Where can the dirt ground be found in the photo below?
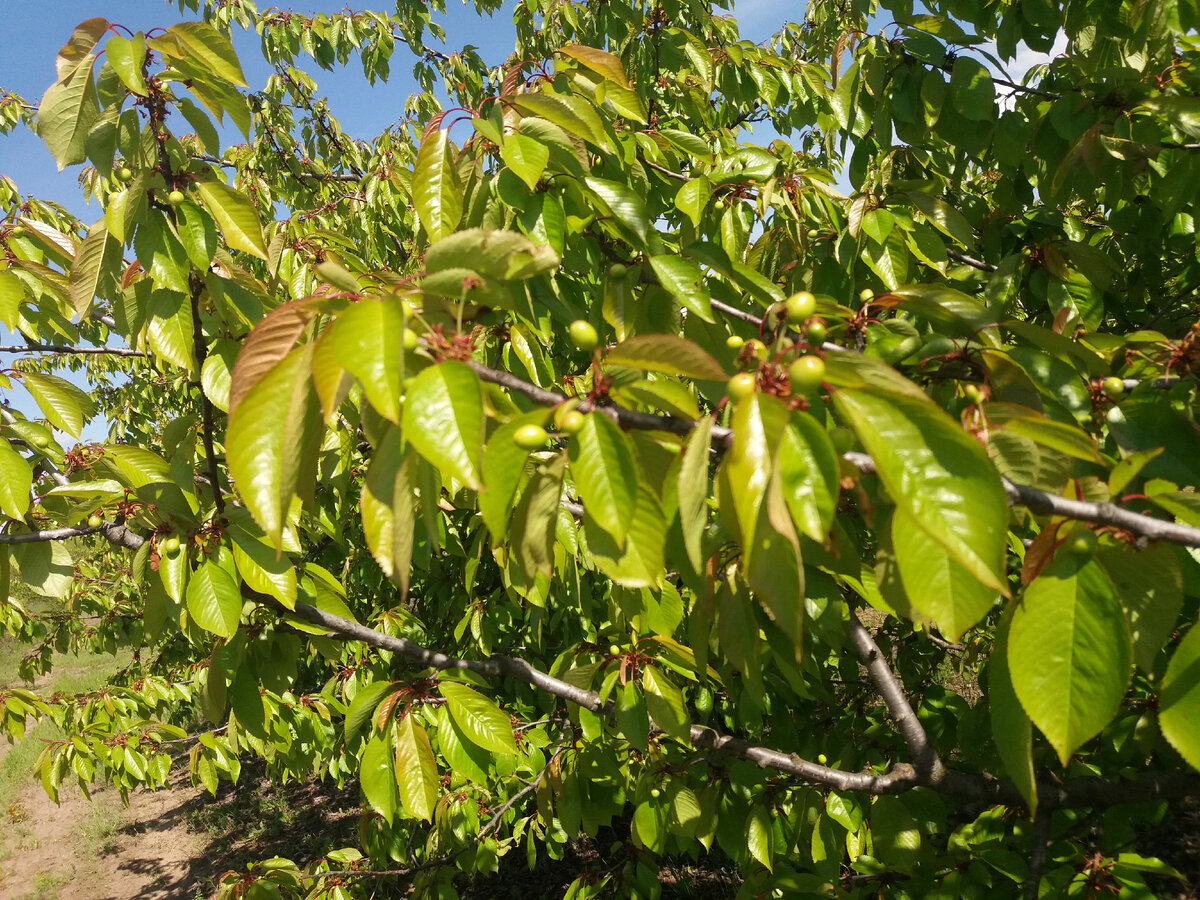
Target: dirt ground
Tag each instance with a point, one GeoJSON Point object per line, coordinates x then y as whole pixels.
{"type": "Point", "coordinates": [99, 850]}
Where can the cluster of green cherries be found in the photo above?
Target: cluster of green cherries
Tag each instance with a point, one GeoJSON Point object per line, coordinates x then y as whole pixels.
{"type": "Point", "coordinates": [806, 372]}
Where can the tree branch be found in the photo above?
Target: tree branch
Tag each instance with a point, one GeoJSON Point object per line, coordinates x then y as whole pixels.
{"type": "Point", "coordinates": [50, 348]}
{"type": "Point", "coordinates": [970, 260]}
{"type": "Point", "coordinates": [206, 407]}
{"type": "Point", "coordinates": [929, 765]}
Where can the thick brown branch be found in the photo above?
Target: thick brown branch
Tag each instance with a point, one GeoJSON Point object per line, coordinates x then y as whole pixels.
{"type": "Point", "coordinates": [970, 260]}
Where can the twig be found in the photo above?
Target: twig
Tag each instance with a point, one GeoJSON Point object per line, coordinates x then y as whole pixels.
{"type": "Point", "coordinates": [200, 350]}
{"type": "Point", "coordinates": [50, 348]}
{"type": "Point", "coordinates": [1037, 856]}
{"type": "Point", "coordinates": [970, 260]}
{"type": "Point", "coordinates": [663, 170]}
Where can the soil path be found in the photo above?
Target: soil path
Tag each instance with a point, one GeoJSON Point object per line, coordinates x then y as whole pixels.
{"type": "Point", "coordinates": [143, 852]}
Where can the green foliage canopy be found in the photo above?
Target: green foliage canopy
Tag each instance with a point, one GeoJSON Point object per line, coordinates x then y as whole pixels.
{"type": "Point", "coordinates": [368, 511]}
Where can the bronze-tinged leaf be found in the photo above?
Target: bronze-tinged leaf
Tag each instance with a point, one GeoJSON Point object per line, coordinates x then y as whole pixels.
{"type": "Point", "coordinates": [270, 341]}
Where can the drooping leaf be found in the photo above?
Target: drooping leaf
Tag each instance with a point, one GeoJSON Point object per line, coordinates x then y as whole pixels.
{"type": "Point", "coordinates": [693, 490]}
{"type": "Point", "coordinates": [67, 113]}
{"type": "Point", "coordinates": [127, 56]}
{"type": "Point", "coordinates": [89, 263]}
{"type": "Point", "coordinates": [1011, 728]}
{"type": "Point", "coordinates": [664, 701]}
{"type": "Point", "coordinates": [213, 599]}
{"type": "Point", "coordinates": [437, 193]}
{"type": "Point", "coordinates": [1069, 653]}
{"type": "Point", "coordinates": [1149, 585]}
{"type": "Point", "coordinates": [236, 215]}
{"type": "Point", "coordinates": [16, 479]}
{"type": "Point", "coordinates": [443, 418]}
{"type": "Point", "coordinates": [388, 514]}
{"type": "Point", "coordinates": [65, 405]}
{"type": "Point", "coordinates": [367, 342]}
{"type": "Point", "coordinates": [269, 342]}
{"type": "Point", "coordinates": [526, 157]}
{"type": "Point", "coordinates": [416, 768]}
{"type": "Point", "coordinates": [1179, 698]}
{"type": "Point", "coordinates": [604, 472]}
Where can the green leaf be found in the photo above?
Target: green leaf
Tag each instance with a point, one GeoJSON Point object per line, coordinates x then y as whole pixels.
{"type": "Point", "coordinates": [1179, 698]}
{"type": "Point", "coordinates": [367, 341]}
{"type": "Point", "coordinates": [377, 775]}
{"type": "Point", "coordinates": [67, 113]}
{"type": "Point", "coordinates": [213, 599]}
{"type": "Point", "coordinates": [683, 279]}
{"type": "Point", "coordinates": [262, 568]}
{"type": "Point", "coordinates": [760, 835]}
{"type": "Point", "coordinates": [170, 330]}
{"type": "Point", "coordinates": [203, 44]}
{"type": "Point", "coordinates": [693, 488]}
{"type": "Point", "coordinates": [666, 353]}
{"type": "Point", "coordinates": [936, 585]}
{"type": "Point", "coordinates": [127, 56]}
{"type": "Point", "coordinates": [437, 193]}
{"type": "Point", "coordinates": [574, 115]}
{"type": "Point", "coordinates": [46, 567]}
{"type": "Point", "coordinates": [388, 508]}
{"type": "Point", "coordinates": [623, 205]}
{"type": "Point", "coordinates": [972, 91]}
{"type": "Point", "coordinates": [75, 51]}
{"type": "Point", "coordinates": [1150, 587]}
{"type": "Point", "coordinates": [808, 474]}
{"type": "Point", "coordinates": [633, 722]}
{"type": "Point", "coordinates": [693, 197]}
{"type": "Point", "coordinates": [503, 462]}
{"type": "Point", "coordinates": [272, 439]}
{"type": "Point", "coordinates": [605, 475]}
{"type": "Point", "coordinates": [1011, 728]}
{"type": "Point", "coordinates": [526, 157]}
{"type": "Point", "coordinates": [640, 563]}
{"type": "Point", "coordinates": [62, 403]}
{"type": "Point", "coordinates": [664, 702]}
{"type": "Point", "coordinates": [197, 233]}
{"type": "Point", "coordinates": [87, 267]}
{"type": "Point", "coordinates": [599, 61]}
{"type": "Point", "coordinates": [443, 418]}
{"type": "Point", "coordinates": [940, 475]}
{"type": "Point", "coordinates": [416, 769]}
{"type": "Point", "coordinates": [533, 526]}
{"type": "Point", "coordinates": [459, 752]}
{"type": "Point", "coordinates": [362, 707]}
{"type": "Point", "coordinates": [16, 480]}
{"type": "Point", "coordinates": [481, 720]}
{"type": "Point", "coordinates": [944, 217]}
{"type": "Point", "coordinates": [236, 215]}
{"type": "Point", "coordinates": [1069, 652]}
{"type": "Point", "coordinates": [758, 423]}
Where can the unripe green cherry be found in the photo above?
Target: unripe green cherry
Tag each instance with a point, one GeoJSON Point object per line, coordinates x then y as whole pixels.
{"type": "Point", "coordinates": [530, 437]}
{"type": "Point", "coordinates": [617, 270]}
{"type": "Point", "coordinates": [740, 386]}
{"type": "Point", "coordinates": [719, 205]}
{"type": "Point", "coordinates": [94, 521]}
{"type": "Point", "coordinates": [175, 198]}
{"type": "Point", "coordinates": [584, 335]}
{"type": "Point", "coordinates": [571, 422]}
{"type": "Point", "coordinates": [757, 347]}
{"type": "Point", "coordinates": [17, 230]}
{"type": "Point", "coordinates": [1081, 541]}
{"type": "Point", "coordinates": [1114, 386]}
{"type": "Point", "coordinates": [410, 339]}
{"type": "Point", "coordinates": [614, 650]}
{"type": "Point", "coordinates": [842, 439]}
{"type": "Point", "coordinates": [734, 342]}
{"type": "Point", "coordinates": [971, 392]}
{"type": "Point", "coordinates": [822, 759]}
{"type": "Point", "coordinates": [806, 374]}
{"type": "Point", "coordinates": [800, 307]}
{"type": "Point", "coordinates": [171, 546]}
{"type": "Point", "coordinates": [866, 295]}
{"type": "Point", "coordinates": [124, 173]}
{"type": "Point", "coordinates": [655, 793]}
{"type": "Point", "coordinates": [816, 332]}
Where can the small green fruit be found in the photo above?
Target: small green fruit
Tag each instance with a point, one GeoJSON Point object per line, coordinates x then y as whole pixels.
{"type": "Point", "coordinates": [740, 386]}
{"type": "Point", "coordinates": [734, 342]}
{"type": "Point", "coordinates": [816, 333]}
{"type": "Point", "coordinates": [175, 198]}
{"type": "Point", "coordinates": [866, 295]}
{"type": "Point", "coordinates": [806, 374]}
{"type": "Point", "coordinates": [1081, 541]}
{"type": "Point", "coordinates": [614, 650]}
{"type": "Point", "coordinates": [822, 759]}
{"type": "Point", "coordinates": [571, 422]}
{"type": "Point", "coordinates": [757, 347]}
{"type": "Point", "coordinates": [94, 521]}
{"type": "Point", "coordinates": [410, 339]}
{"type": "Point", "coordinates": [41, 440]}
{"type": "Point", "coordinates": [171, 546]}
{"type": "Point", "coordinates": [971, 392]}
{"type": "Point", "coordinates": [530, 437]}
{"type": "Point", "coordinates": [800, 307]}
{"type": "Point", "coordinates": [584, 335]}
{"type": "Point", "coordinates": [617, 270]}
{"type": "Point", "coordinates": [124, 174]}
{"type": "Point", "coordinates": [719, 205]}
{"type": "Point", "coordinates": [813, 234]}
{"type": "Point", "coordinates": [1114, 386]}
{"type": "Point", "coordinates": [842, 438]}
{"type": "Point", "coordinates": [655, 793]}
{"type": "Point", "coordinates": [703, 701]}
{"type": "Point", "coordinates": [17, 230]}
